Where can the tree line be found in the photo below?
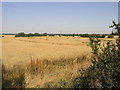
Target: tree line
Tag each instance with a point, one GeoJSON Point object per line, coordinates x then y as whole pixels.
{"type": "Point", "coordinates": [22, 34]}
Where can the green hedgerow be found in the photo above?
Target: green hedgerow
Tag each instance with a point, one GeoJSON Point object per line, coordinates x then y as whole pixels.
{"type": "Point", "coordinates": [105, 69]}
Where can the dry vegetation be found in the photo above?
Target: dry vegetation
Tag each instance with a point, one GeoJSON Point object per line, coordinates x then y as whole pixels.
{"type": "Point", "coordinates": [43, 61]}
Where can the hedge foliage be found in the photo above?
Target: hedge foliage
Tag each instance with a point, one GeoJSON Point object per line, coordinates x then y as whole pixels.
{"type": "Point", "coordinates": [22, 34]}
{"type": "Point", "coordinates": [104, 71]}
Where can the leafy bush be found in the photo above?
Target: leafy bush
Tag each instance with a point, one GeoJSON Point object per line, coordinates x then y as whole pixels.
{"type": "Point", "coordinates": [104, 71]}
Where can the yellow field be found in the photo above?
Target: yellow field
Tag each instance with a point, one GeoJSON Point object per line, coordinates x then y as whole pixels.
{"type": "Point", "coordinates": [22, 49]}
{"type": "Point", "coordinates": [52, 58]}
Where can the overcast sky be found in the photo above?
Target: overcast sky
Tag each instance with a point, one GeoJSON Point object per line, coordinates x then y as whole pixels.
{"type": "Point", "coordinates": [58, 17]}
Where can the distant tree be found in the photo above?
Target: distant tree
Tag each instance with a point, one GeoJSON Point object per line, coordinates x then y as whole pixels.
{"type": "Point", "coordinates": [73, 35]}
{"type": "Point", "coordinates": [103, 36]}
{"type": "Point", "coordinates": [110, 36]}
{"type": "Point", "coordinates": [45, 34]}
{"type": "Point", "coordinates": [21, 34]}
{"type": "Point", "coordinates": [36, 34]}
{"type": "Point", "coordinates": [84, 35]}
{"type": "Point", "coordinates": [30, 34]}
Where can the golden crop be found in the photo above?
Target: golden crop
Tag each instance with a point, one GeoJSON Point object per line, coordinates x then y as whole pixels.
{"type": "Point", "coordinates": [44, 59]}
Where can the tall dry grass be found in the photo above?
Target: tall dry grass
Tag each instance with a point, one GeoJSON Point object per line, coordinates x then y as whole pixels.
{"type": "Point", "coordinates": [21, 76]}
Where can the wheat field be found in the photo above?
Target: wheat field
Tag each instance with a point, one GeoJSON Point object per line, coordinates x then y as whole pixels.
{"type": "Point", "coordinates": [22, 49]}
{"type": "Point", "coordinates": [45, 60]}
